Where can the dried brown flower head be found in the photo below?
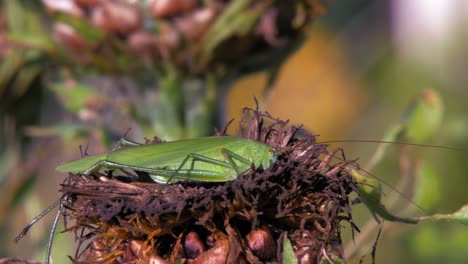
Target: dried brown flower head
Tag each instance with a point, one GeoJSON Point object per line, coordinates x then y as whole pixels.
{"type": "Point", "coordinates": [300, 196]}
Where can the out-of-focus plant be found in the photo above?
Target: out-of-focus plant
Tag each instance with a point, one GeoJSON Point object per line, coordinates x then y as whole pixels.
{"type": "Point", "coordinates": [418, 190]}
{"type": "Point", "coordinates": [178, 56]}
{"type": "Point", "coordinates": [21, 96]}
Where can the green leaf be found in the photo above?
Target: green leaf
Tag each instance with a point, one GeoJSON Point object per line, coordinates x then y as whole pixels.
{"type": "Point", "coordinates": [40, 42]}
{"type": "Point", "coordinates": [288, 252]}
{"type": "Point", "coordinates": [460, 216]}
{"type": "Point", "coordinates": [75, 98]}
{"type": "Point", "coordinates": [237, 19]}
{"type": "Point", "coordinates": [25, 25]}
{"type": "Point", "coordinates": [370, 194]}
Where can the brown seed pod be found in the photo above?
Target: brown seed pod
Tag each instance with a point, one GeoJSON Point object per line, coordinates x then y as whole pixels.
{"type": "Point", "coordinates": [116, 17]}
{"type": "Point", "coordinates": [194, 25]}
{"type": "Point", "coordinates": [136, 247]}
{"type": "Point", "coordinates": [144, 43]}
{"type": "Point", "coordinates": [165, 8]}
{"type": "Point", "coordinates": [63, 6]}
{"type": "Point", "coordinates": [218, 253]}
{"type": "Point", "coordinates": [261, 243]}
{"type": "Point", "coordinates": [193, 246]}
{"type": "Point", "coordinates": [69, 38]}
{"type": "Point", "coordinates": [155, 259]}
{"type": "Point", "coordinates": [169, 41]}
{"type": "Point", "coordinates": [98, 249]}
{"type": "Point", "coordinates": [88, 3]}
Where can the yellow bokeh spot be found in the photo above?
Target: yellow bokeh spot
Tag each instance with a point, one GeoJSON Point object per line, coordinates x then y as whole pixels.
{"type": "Point", "coordinates": [316, 88]}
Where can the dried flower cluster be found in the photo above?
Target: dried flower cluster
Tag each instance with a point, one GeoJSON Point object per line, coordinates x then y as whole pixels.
{"type": "Point", "coordinates": [191, 35]}
{"type": "Point", "coordinates": [301, 196]}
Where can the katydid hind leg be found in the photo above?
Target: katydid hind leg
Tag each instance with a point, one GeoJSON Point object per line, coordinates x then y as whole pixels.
{"type": "Point", "coordinates": [159, 175]}
{"type": "Point", "coordinates": [231, 156]}
{"type": "Point", "coordinates": [125, 143]}
{"type": "Point", "coordinates": [196, 157]}
{"type": "Point", "coordinates": [95, 167]}
{"type": "Point", "coordinates": [106, 164]}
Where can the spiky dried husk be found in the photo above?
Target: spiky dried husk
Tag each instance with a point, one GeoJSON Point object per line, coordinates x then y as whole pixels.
{"type": "Point", "coordinates": [301, 196]}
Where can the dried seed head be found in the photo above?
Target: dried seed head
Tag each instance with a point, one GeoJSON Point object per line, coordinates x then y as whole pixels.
{"type": "Point", "coordinates": [298, 195]}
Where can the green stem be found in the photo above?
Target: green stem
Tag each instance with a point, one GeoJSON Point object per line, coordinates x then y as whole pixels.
{"type": "Point", "coordinates": [201, 116]}
{"type": "Point", "coordinates": [169, 121]}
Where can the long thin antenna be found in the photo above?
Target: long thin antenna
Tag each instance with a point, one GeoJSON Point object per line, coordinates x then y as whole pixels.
{"type": "Point", "coordinates": [391, 142]}
{"type": "Point", "coordinates": [378, 179]}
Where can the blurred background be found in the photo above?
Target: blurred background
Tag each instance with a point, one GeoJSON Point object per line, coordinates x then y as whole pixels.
{"type": "Point", "coordinates": [346, 70]}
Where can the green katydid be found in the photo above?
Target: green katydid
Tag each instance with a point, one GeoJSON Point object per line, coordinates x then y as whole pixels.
{"type": "Point", "coordinates": [213, 159]}
{"type": "Point", "coordinates": [210, 159]}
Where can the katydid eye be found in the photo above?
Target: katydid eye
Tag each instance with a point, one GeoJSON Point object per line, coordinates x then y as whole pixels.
{"type": "Point", "coordinates": [274, 155]}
